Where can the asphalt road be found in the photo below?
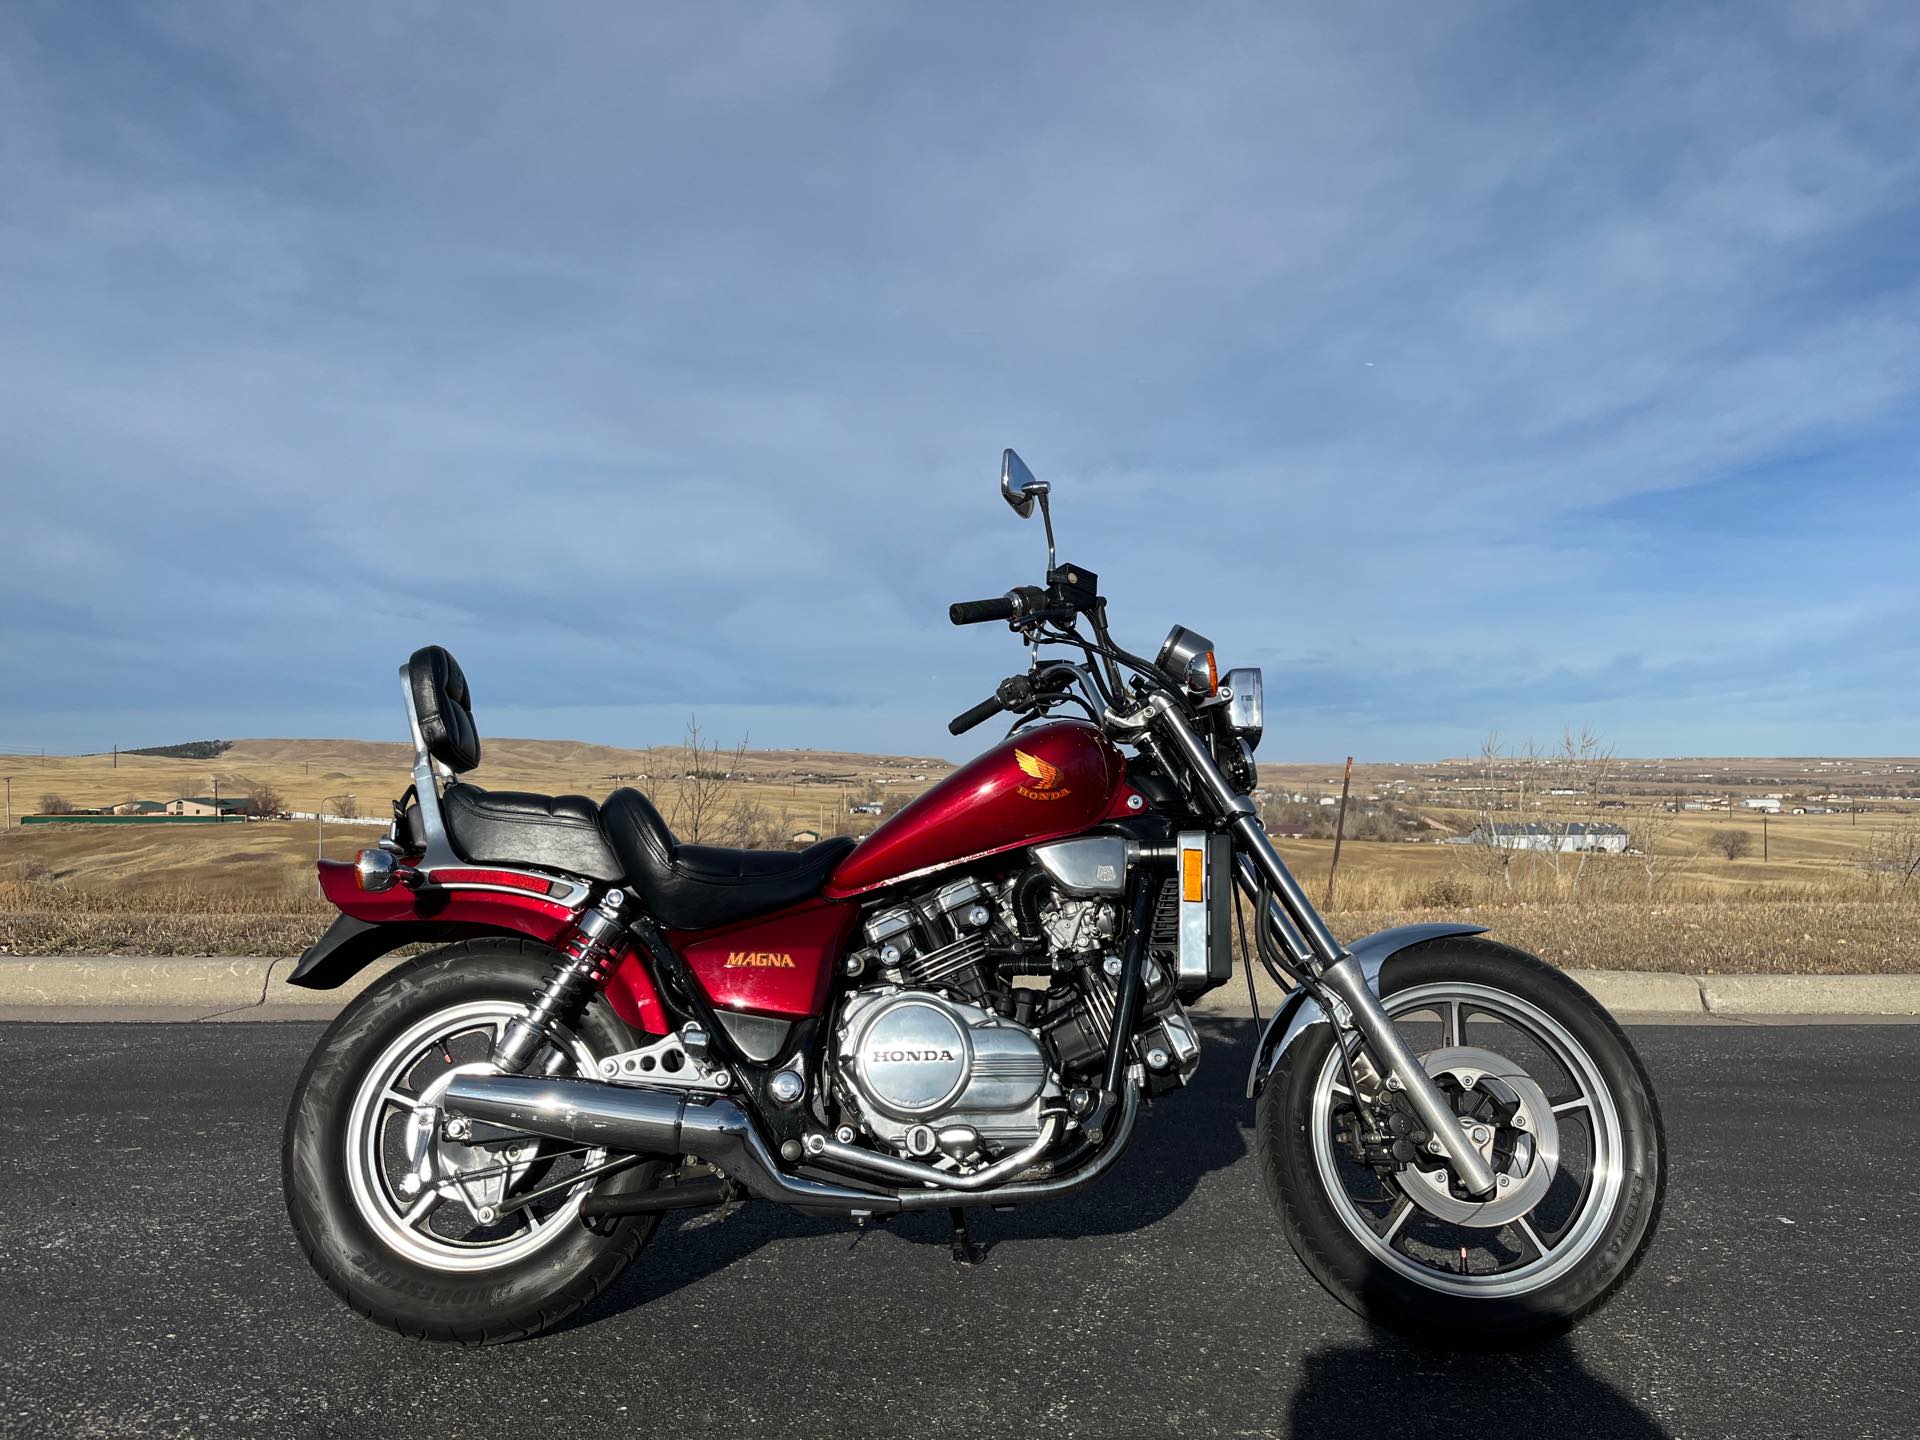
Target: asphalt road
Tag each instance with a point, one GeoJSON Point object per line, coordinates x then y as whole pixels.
{"type": "Point", "coordinates": [152, 1286]}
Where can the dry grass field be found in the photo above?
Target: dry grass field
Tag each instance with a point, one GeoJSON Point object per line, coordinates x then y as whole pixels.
{"type": "Point", "coordinates": [800, 788]}
{"type": "Point", "coordinates": [247, 888]}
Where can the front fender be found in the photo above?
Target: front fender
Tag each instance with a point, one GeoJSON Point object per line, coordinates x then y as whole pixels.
{"type": "Point", "coordinates": [1299, 1010]}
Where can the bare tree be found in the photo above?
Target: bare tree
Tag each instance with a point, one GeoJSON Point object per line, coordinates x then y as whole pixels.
{"type": "Point", "coordinates": [697, 797]}
{"type": "Point", "coordinates": [1572, 779]}
{"type": "Point", "coordinates": [1652, 835]}
{"type": "Point", "coordinates": [347, 807]}
{"type": "Point", "coordinates": [1891, 857]}
{"type": "Point", "coordinates": [264, 803]}
{"type": "Point", "coordinates": [707, 802]}
{"type": "Point", "coordinates": [1733, 844]}
{"type": "Point", "coordinates": [1500, 788]}
{"type": "Point", "coordinates": [55, 805]}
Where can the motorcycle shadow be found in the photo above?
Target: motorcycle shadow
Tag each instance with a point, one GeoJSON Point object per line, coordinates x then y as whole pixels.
{"type": "Point", "coordinates": [1351, 1389]}
{"type": "Point", "coordinates": [1180, 1138]}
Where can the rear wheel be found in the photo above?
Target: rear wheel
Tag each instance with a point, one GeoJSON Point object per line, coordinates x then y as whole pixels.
{"type": "Point", "coordinates": [1544, 1084]}
{"type": "Point", "coordinates": [467, 1242]}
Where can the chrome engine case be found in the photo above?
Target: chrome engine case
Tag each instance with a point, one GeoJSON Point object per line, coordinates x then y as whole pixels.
{"type": "Point", "coordinates": [913, 1060]}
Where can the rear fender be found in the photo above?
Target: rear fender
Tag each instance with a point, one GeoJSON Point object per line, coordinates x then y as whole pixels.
{"type": "Point", "coordinates": [1299, 1011]}
{"type": "Point", "coordinates": [376, 923]}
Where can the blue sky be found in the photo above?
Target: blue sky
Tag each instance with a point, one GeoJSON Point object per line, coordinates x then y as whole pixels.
{"type": "Point", "coordinates": [1470, 368]}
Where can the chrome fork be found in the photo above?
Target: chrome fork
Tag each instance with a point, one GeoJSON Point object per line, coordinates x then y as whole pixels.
{"type": "Point", "coordinates": [1326, 959]}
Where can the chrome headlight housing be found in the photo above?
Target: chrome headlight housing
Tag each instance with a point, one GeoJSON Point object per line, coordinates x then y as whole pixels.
{"type": "Point", "coordinates": [1247, 707]}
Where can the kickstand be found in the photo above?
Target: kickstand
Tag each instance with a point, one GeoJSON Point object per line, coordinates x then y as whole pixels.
{"type": "Point", "coordinates": [965, 1252]}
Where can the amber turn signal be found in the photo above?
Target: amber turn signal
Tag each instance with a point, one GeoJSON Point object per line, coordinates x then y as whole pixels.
{"type": "Point", "coordinates": [1193, 875]}
{"type": "Point", "coordinates": [375, 870]}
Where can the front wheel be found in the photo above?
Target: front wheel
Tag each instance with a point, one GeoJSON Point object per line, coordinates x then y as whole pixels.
{"type": "Point", "coordinates": [1544, 1084]}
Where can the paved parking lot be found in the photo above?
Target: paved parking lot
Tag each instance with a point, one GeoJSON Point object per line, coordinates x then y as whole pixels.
{"type": "Point", "coordinates": [154, 1288]}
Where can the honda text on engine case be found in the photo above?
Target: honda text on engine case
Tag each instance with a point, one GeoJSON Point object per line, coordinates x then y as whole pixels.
{"type": "Point", "coordinates": [967, 1008]}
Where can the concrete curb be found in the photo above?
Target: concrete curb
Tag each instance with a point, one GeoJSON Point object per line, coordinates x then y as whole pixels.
{"type": "Point", "coordinates": [120, 987]}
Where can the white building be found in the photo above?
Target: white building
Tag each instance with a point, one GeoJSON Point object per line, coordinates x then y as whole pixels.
{"type": "Point", "coordinates": [1574, 836]}
{"type": "Point", "coordinates": [1768, 803]}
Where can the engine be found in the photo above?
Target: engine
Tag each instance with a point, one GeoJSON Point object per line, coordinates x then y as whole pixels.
{"type": "Point", "coordinates": [946, 1056]}
{"type": "Point", "coordinates": [936, 1075]}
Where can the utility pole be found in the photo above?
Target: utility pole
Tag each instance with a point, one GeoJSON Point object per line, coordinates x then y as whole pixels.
{"type": "Point", "coordinates": [9, 809]}
{"type": "Point", "coordinates": [116, 756]}
{"type": "Point", "coordinates": [216, 798]}
{"type": "Point", "coordinates": [1765, 852]}
{"type": "Point", "coordinates": [1339, 830]}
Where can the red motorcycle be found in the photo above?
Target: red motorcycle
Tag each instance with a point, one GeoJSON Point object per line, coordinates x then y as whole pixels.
{"type": "Point", "coordinates": [967, 1008]}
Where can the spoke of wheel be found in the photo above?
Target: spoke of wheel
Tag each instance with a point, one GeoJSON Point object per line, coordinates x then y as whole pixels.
{"type": "Point", "coordinates": [1533, 1238]}
{"type": "Point", "coordinates": [393, 1095]}
{"type": "Point", "coordinates": [1395, 1220]}
{"type": "Point", "coordinates": [1452, 1021]}
{"type": "Point", "coordinates": [1566, 1105]}
{"type": "Point", "coordinates": [1340, 1088]}
{"type": "Point", "coordinates": [422, 1209]}
{"type": "Point", "coordinates": [534, 1222]}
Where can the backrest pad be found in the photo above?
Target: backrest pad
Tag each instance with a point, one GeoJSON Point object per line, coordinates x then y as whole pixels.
{"type": "Point", "coordinates": [444, 706]}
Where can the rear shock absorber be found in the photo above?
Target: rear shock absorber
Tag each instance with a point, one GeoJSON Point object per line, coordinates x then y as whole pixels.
{"type": "Point", "coordinates": [582, 969]}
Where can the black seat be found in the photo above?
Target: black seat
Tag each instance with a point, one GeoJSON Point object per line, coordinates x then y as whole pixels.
{"type": "Point", "coordinates": [696, 887]}
{"type": "Point", "coordinates": [508, 827]}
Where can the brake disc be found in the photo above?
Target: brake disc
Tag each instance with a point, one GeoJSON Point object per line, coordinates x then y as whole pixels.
{"type": "Point", "coordinates": [1523, 1151]}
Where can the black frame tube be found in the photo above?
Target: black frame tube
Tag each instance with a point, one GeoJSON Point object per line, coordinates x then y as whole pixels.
{"type": "Point", "coordinates": [1126, 1004]}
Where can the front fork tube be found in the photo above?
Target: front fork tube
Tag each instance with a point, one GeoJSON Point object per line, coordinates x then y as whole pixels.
{"type": "Point", "coordinates": [1304, 935]}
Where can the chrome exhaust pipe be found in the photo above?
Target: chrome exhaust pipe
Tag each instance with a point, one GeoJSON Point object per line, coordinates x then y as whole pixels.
{"type": "Point", "coordinates": [717, 1131]}
{"type": "Point", "coordinates": [584, 1112]}
{"type": "Point", "coordinates": [650, 1122]}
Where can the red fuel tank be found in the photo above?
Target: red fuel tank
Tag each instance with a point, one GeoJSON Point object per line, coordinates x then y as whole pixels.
{"type": "Point", "coordinates": [1041, 784]}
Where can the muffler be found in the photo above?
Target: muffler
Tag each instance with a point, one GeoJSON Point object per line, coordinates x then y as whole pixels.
{"type": "Point", "coordinates": [586, 1112]}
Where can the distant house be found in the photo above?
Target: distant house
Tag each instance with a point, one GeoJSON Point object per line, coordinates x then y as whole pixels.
{"type": "Point", "coordinates": [1770, 804]}
{"type": "Point", "coordinates": [864, 807]}
{"type": "Point", "coordinates": [1578, 835]}
{"type": "Point", "coordinates": [804, 837]}
{"type": "Point", "coordinates": [206, 805]}
{"type": "Point", "coordinates": [140, 807]}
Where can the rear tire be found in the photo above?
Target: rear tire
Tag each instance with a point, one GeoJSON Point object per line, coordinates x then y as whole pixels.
{"type": "Point", "coordinates": [1469, 1310]}
{"type": "Point", "coordinates": [473, 1299]}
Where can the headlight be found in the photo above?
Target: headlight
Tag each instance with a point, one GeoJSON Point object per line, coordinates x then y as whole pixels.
{"type": "Point", "coordinates": [1247, 710]}
{"type": "Point", "coordinates": [1236, 763]}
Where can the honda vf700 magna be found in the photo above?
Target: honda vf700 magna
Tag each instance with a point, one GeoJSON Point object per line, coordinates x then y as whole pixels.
{"type": "Point", "coordinates": [967, 1008]}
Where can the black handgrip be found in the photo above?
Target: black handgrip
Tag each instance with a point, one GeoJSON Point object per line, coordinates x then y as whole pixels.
{"type": "Point", "coordinates": [976, 612]}
{"type": "Point", "coordinates": [967, 719]}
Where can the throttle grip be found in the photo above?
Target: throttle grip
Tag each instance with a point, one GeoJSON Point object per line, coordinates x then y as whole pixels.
{"type": "Point", "coordinates": [977, 612]}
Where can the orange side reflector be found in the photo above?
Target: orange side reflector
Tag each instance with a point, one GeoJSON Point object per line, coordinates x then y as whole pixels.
{"type": "Point", "coordinates": [1193, 875]}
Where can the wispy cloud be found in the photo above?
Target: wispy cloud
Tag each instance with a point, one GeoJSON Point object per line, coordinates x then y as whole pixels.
{"type": "Point", "coordinates": [1469, 368]}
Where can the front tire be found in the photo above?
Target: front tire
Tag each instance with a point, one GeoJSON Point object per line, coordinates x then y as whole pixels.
{"type": "Point", "coordinates": [1568, 1113]}
{"type": "Point", "coordinates": [430, 1263]}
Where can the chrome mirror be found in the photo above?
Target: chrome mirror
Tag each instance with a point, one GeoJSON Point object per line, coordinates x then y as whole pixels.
{"type": "Point", "coordinates": [1018, 485]}
{"type": "Point", "coordinates": [1021, 490]}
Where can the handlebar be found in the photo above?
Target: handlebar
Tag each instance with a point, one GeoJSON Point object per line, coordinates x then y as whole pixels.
{"type": "Point", "coordinates": [1014, 693]}
{"type": "Point", "coordinates": [978, 612]}
{"type": "Point", "coordinates": [967, 719]}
